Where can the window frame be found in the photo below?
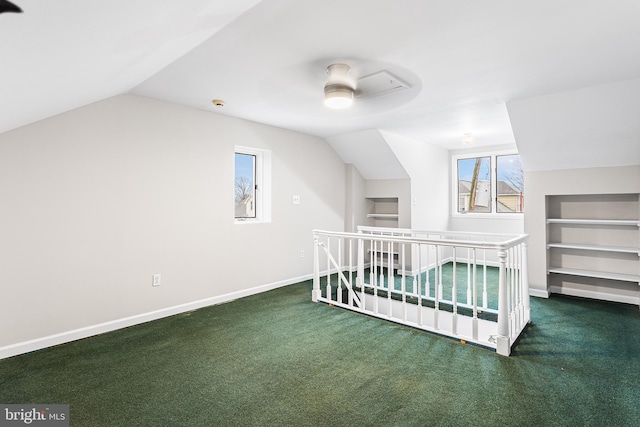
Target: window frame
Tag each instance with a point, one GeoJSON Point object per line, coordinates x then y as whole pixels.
{"type": "Point", "coordinates": [262, 182]}
{"type": "Point", "coordinates": [493, 156]}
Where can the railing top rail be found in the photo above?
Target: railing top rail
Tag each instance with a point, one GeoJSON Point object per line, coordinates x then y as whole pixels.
{"type": "Point", "coordinates": [418, 239]}
{"type": "Point", "coordinates": [500, 236]}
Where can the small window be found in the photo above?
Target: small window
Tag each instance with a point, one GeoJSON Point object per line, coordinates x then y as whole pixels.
{"type": "Point", "coordinates": [252, 185]}
{"type": "Point", "coordinates": [489, 184]}
{"type": "Point", "coordinates": [245, 186]}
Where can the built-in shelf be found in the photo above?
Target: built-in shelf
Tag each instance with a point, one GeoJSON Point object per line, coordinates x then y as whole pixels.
{"type": "Point", "coordinates": [596, 274]}
{"type": "Point", "coordinates": [382, 216]}
{"type": "Point", "coordinates": [607, 244]}
{"type": "Point", "coordinates": [383, 211]}
{"type": "Point", "coordinates": [603, 248]}
{"type": "Point", "coordinates": [612, 222]}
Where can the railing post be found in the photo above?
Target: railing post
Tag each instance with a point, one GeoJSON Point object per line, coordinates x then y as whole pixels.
{"type": "Point", "coordinates": [315, 294]}
{"type": "Point", "coordinates": [503, 346]}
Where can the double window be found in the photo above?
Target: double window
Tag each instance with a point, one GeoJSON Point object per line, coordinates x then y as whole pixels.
{"type": "Point", "coordinates": [252, 186]}
{"type": "Point", "coordinates": [488, 184]}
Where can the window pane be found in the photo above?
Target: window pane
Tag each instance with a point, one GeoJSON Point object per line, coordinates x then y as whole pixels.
{"type": "Point", "coordinates": [474, 185]}
{"type": "Point", "coordinates": [245, 186]}
{"type": "Point", "coordinates": [510, 181]}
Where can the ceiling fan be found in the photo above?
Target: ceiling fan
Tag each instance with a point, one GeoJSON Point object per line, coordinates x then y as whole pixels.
{"type": "Point", "coordinates": [7, 6]}
{"type": "Point", "coordinates": [341, 88]}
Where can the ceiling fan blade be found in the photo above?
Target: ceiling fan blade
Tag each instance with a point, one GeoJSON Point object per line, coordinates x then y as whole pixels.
{"type": "Point", "coordinates": [7, 6]}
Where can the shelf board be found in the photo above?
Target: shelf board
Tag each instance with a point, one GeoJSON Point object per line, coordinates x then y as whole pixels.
{"type": "Point", "coordinates": [614, 222]}
{"type": "Point", "coordinates": [382, 216]}
{"type": "Point", "coordinates": [584, 247]}
{"type": "Point", "coordinates": [596, 274]}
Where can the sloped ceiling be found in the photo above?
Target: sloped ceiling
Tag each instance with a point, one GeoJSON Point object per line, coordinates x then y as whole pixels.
{"type": "Point", "coordinates": [63, 54]}
{"type": "Point", "coordinates": [379, 162]}
{"type": "Point", "coordinates": [464, 60]}
{"type": "Point", "coordinates": [588, 127]}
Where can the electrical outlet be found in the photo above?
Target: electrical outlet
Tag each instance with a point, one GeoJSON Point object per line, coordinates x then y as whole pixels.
{"type": "Point", "coordinates": [295, 199]}
{"type": "Point", "coordinates": [156, 280]}
{"type": "Point", "coordinates": [302, 253]}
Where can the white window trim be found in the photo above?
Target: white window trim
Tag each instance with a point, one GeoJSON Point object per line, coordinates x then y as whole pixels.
{"type": "Point", "coordinates": [263, 181]}
{"type": "Point", "coordinates": [494, 197]}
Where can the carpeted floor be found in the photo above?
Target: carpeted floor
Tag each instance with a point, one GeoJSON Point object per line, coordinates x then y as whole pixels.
{"type": "Point", "coordinates": [277, 359]}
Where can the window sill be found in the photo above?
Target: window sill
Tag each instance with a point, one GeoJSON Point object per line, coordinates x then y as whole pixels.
{"type": "Point", "coordinates": [250, 221]}
{"type": "Point", "coordinates": [507, 216]}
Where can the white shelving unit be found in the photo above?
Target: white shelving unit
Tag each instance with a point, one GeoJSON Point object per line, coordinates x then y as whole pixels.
{"type": "Point", "coordinates": [383, 212]}
{"type": "Point", "coordinates": [593, 246]}
{"type": "Point", "coordinates": [382, 216]}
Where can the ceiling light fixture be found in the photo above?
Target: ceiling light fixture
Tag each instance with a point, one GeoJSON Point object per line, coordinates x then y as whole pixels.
{"type": "Point", "coordinates": [338, 92]}
{"type": "Point", "coordinates": [467, 138]}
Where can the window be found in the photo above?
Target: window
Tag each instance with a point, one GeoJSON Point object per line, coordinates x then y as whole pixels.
{"type": "Point", "coordinates": [510, 184]}
{"type": "Point", "coordinates": [490, 184]}
{"type": "Point", "coordinates": [245, 185]}
{"type": "Point", "coordinates": [252, 185]}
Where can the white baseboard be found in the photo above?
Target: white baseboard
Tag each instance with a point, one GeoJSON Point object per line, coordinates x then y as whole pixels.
{"type": "Point", "coordinates": [538, 293]}
{"type": "Point", "coordinates": [76, 334]}
{"type": "Point", "coordinates": [627, 299]}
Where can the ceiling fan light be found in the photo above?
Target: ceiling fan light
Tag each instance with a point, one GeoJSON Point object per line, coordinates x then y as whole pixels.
{"type": "Point", "coordinates": [338, 96]}
{"type": "Point", "coordinates": [338, 92]}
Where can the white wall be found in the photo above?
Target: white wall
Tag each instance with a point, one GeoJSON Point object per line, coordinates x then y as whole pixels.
{"type": "Point", "coordinates": [96, 200]}
{"type": "Point", "coordinates": [428, 167]}
{"type": "Point", "coordinates": [355, 194]}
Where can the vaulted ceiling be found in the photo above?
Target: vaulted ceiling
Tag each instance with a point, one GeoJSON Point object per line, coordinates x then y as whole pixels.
{"type": "Point", "coordinates": [464, 61]}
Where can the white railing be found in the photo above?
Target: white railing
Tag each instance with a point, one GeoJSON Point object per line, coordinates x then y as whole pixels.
{"type": "Point", "coordinates": [469, 286]}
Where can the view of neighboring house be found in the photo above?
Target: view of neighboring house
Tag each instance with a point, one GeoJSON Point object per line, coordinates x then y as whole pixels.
{"type": "Point", "coordinates": [510, 199]}
{"type": "Point", "coordinates": [244, 207]}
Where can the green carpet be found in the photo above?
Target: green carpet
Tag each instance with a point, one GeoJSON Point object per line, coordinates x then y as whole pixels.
{"type": "Point", "coordinates": [277, 359]}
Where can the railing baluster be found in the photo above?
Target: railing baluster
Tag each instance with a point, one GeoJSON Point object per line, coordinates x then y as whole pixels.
{"type": "Point", "coordinates": [375, 278]}
{"type": "Point", "coordinates": [329, 268]}
{"type": "Point", "coordinates": [427, 279]}
{"type": "Point", "coordinates": [525, 282]}
{"type": "Point", "coordinates": [360, 274]}
{"type": "Point", "coordinates": [474, 331]}
{"type": "Point", "coordinates": [438, 287]}
{"type": "Point", "coordinates": [454, 295]}
{"type": "Point", "coordinates": [439, 263]}
{"type": "Point", "coordinates": [316, 268]}
{"type": "Point", "coordinates": [511, 293]}
{"type": "Point", "coordinates": [468, 276]}
{"type": "Point", "coordinates": [389, 277]}
{"type": "Point", "coordinates": [403, 287]}
{"type": "Point", "coordinates": [485, 298]}
{"type": "Point", "coordinates": [350, 263]}
{"type": "Point", "coordinates": [339, 290]}
{"type": "Point", "coordinates": [419, 289]}
{"type": "Point", "coordinates": [381, 264]}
